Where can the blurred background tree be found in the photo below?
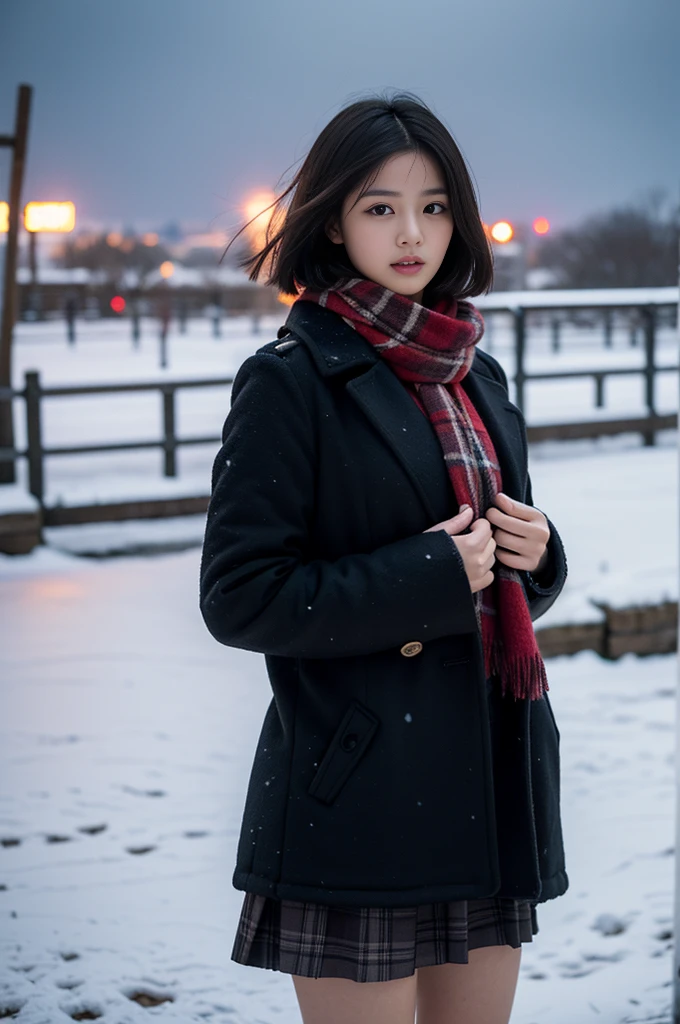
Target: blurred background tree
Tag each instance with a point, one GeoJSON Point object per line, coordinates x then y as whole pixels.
{"type": "Point", "coordinates": [114, 255]}
{"type": "Point", "coordinates": [631, 246]}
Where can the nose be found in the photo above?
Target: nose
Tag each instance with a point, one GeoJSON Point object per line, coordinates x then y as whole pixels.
{"type": "Point", "coordinates": [410, 232]}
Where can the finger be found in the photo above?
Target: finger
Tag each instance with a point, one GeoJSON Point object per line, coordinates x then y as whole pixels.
{"type": "Point", "coordinates": [481, 530]}
{"type": "Point", "coordinates": [488, 563]}
{"type": "Point", "coordinates": [460, 521]}
{"type": "Point", "coordinates": [485, 581]}
{"type": "Point", "coordinates": [507, 522]}
{"type": "Point", "coordinates": [456, 522]}
{"type": "Point", "coordinates": [512, 542]}
{"type": "Point", "coordinates": [516, 508]}
{"type": "Point", "coordinates": [512, 560]}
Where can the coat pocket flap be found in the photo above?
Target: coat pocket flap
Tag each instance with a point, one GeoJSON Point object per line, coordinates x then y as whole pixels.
{"type": "Point", "coordinates": [344, 752]}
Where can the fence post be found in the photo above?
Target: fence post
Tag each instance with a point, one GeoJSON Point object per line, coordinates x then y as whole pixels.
{"type": "Point", "coordinates": [519, 314]}
{"type": "Point", "coordinates": [633, 328]}
{"type": "Point", "coordinates": [649, 322]}
{"type": "Point", "coordinates": [607, 328]}
{"type": "Point", "coordinates": [170, 441]}
{"type": "Point", "coordinates": [34, 434]}
{"type": "Point", "coordinates": [555, 325]}
{"type": "Point", "coordinates": [599, 389]}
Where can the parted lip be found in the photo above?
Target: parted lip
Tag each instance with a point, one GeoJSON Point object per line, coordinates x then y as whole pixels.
{"type": "Point", "coordinates": [408, 259]}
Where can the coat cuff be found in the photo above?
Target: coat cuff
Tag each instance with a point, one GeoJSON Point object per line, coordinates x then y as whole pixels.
{"type": "Point", "coordinates": [542, 590]}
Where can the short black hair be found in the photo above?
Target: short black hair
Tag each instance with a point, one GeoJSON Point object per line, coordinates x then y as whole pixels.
{"type": "Point", "coordinates": [347, 155]}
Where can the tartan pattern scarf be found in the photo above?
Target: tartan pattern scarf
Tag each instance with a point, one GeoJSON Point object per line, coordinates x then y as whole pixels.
{"type": "Point", "coordinates": [434, 348]}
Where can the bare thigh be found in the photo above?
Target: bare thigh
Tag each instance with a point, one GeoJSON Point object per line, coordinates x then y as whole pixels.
{"type": "Point", "coordinates": [481, 991]}
{"type": "Point", "coordinates": [343, 1001]}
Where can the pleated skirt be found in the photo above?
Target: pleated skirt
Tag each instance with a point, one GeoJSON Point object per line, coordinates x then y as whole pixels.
{"type": "Point", "coordinates": [368, 944]}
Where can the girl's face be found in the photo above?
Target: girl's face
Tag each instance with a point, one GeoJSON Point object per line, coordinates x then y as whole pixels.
{"type": "Point", "coordinates": [406, 213]}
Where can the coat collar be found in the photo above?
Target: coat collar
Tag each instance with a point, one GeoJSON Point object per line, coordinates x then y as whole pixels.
{"type": "Point", "coordinates": [337, 348]}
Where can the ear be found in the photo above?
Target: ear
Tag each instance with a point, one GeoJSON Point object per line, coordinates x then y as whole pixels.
{"type": "Point", "coordinates": [333, 231]}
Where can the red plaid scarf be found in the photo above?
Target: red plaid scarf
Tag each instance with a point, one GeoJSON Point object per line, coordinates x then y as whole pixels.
{"type": "Point", "coordinates": [434, 349]}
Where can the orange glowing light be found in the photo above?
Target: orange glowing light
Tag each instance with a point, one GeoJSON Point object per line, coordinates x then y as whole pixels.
{"type": "Point", "coordinates": [502, 231]}
{"type": "Point", "coordinates": [150, 238]}
{"type": "Point", "coordinates": [49, 217]}
{"type": "Point", "coordinates": [167, 269]}
{"type": "Point", "coordinates": [286, 300]}
{"type": "Point", "coordinates": [4, 218]}
{"type": "Point", "coordinates": [114, 239]}
{"type": "Point", "coordinates": [541, 226]}
{"type": "Point", "coordinates": [117, 304]}
{"type": "Point", "coordinates": [255, 210]}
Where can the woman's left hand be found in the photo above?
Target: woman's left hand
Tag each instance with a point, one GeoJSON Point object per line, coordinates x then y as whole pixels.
{"type": "Point", "coordinates": [521, 533]}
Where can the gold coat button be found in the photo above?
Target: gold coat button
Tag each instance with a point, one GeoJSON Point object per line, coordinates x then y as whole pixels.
{"type": "Point", "coordinates": [411, 648]}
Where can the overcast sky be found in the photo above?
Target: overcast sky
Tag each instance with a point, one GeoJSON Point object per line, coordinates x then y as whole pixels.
{"type": "Point", "coordinates": [147, 111]}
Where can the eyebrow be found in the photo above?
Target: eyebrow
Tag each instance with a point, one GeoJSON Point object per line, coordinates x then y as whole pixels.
{"type": "Point", "coordinates": [387, 192]}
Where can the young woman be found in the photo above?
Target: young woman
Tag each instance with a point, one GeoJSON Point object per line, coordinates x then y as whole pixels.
{"type": "Point", "coordinates": [372, 532]}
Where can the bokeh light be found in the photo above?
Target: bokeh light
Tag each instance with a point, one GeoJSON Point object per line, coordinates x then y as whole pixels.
{"type": "Point", "coordinates": [49, 217]}
{"type": "Point", "coordinates": [502, 231]}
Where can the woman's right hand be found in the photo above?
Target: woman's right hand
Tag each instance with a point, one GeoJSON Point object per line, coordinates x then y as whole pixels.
{"type": "Point", "coordinates": [476, 547]}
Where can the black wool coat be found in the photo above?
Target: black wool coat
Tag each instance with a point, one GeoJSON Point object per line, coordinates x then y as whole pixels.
{"type": "Point", "coordinates": [373, 780]}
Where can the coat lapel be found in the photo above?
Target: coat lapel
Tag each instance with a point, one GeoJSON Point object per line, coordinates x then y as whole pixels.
{"type": "Point", "coordinates": [338, 348]}
{"type": "Point", "coordinates": [410, 435]}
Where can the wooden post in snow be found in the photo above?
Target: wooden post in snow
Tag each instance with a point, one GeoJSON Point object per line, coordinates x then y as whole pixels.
{"type": "Point", "coordinates": [676, 922]}
{"type": "Point", "coordinates": [18, 143]}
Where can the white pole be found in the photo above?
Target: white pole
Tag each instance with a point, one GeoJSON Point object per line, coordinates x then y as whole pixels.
{"type": "Point", "coordinates": [676, 923]}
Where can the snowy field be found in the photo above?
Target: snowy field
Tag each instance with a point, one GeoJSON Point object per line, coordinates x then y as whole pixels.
{"type": "Point", "coordinates": [600, 493]}
{"type": "Point", "coordinates": [127, 737]}
{"type": "Point", "coordinates": [104, 354]}
{"type": "Point", "coordinates": [128, 732]}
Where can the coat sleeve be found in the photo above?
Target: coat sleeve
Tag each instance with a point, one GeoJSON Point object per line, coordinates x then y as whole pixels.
{"type": "Point", "coordinates": [259, 588]}
{"type": "Point", "coordinates": [541, 591]}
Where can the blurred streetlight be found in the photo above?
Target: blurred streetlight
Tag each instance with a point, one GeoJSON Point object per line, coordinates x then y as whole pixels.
{"type": "Point", "coordinates": [255, 210]}
{"type": "Point", "coordinates": [51, 217]}
{"type": "Point", "coordinates": [4, 218]}
{"type": "Point", "coordinates": [541, 226]}
{"type": "Point", "coordinates": [502, 231]}
{"type": "Point", "coordinates": [167, 269]}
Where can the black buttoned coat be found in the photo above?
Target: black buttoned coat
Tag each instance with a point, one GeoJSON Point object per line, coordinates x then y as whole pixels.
{"type": "Point", "coordinates": [373, 779]}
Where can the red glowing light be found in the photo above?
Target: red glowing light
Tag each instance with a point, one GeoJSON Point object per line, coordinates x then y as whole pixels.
{"type": "Point", "coordinates": [117, 303]}
{"type": "Point", "coordinates": [541, 226]}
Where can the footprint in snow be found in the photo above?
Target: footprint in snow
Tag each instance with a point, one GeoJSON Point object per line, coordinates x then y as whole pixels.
{"type": "Point", "coordinates": [609, 924]}
{"type": "Point", "coordinates": [149, 998]}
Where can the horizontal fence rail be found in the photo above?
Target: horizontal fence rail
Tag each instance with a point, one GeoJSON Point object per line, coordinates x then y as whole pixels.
{"type": "Point", "coordinates": [647, 305]}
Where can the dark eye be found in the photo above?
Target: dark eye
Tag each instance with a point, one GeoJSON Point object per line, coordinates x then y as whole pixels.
{"type": "Point", "coordinates": [437, 204]}
{"type": "Point", "coordinates": [378, 206]}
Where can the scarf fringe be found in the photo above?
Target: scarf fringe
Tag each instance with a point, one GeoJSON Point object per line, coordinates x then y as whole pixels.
{"type": "Point", "coordinates": [523, 676]}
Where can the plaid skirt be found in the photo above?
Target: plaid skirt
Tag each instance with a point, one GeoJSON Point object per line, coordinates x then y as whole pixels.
{"type": "Point", "coordinates": [374, 943]}
{"type": "Point", "coordinates": [377, 943]}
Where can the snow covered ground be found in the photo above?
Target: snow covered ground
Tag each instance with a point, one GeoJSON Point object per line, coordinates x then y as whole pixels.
{"type": "Point", "coordinates": [104, 354]}
{"type": "Point", "coordinates": [600, 493]}
{"type": "Point", "coordinates": [127, 735]}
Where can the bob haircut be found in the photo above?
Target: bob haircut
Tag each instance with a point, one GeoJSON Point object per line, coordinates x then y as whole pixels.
{"type": "Point", "coordinates": [348, 154]}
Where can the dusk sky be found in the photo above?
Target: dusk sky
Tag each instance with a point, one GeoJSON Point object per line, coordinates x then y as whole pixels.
{"type": "Point", "coordinates": [149, 111]}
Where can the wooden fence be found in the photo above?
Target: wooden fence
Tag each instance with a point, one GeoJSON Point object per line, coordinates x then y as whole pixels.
{"type": "Point", "coordinates": [36, 451]}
